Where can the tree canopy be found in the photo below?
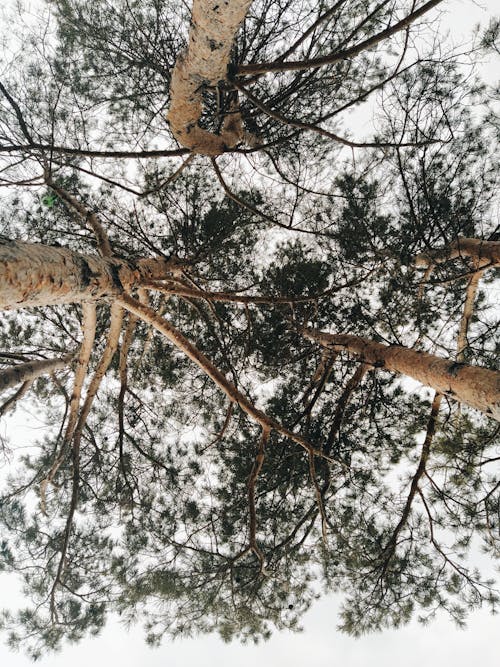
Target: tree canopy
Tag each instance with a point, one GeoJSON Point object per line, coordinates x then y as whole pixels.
{"type": "Point", "coordinates": [247, 282]}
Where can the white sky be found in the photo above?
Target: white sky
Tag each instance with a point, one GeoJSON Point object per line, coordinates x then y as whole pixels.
{"type": "Point", "coordinates": [320, 645]}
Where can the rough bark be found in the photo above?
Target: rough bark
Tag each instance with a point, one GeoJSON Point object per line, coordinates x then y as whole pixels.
{"type": "Point", "coordinates": [32, 274]}
{"type": "Point", "coordinates": [483, 253]}
{"type": "Point", "coordinates": [473, 385]}
{"type": "Point", "coordinates": [214, 25]}
{"type": "Point", "coordinates": [31, 370]}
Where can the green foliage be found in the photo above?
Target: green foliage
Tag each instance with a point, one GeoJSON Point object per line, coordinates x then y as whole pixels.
{"type": "Point", "coordinates": [161, 529]}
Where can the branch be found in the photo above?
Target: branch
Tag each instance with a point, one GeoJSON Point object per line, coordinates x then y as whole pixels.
{"type": "Point", "coordinates": [338, 56]}
{"type": "Point", "coordinates": [191, 351]}
{"type": "Point", "coordinates": [31, 370]}
{"type": "Point", "coordinates": [82, 152]}
{"type": "Point", "coordinates": [19, 115]}
{"type": "Point", "coordinates": [342, 404]}
{"type": "Point", "coordinates": [257, 466]}
{"type": "Point", "coordinates": [89, 329]}
{"type": "Point", "coordinates": [87, 216]}
{"type": "Point", "coordinates": [326, 133]}
{"type": "Point", "coordinates": [390, 547]}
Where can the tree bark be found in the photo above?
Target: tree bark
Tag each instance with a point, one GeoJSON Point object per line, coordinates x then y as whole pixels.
{"type": "Point", "coordinates": [30, 370]}
{"type": "Point", "coordinates": [214, 24]}
{"type": "Point", "coordinates": [473, 385]}
{"type": "Point", "coordinates": [483, 253]}
{"type": "Point", "coordinates": [33, 274]}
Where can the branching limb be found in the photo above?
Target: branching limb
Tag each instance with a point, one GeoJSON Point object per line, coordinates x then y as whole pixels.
{"type": "Point", "coordinates": [12, 400]}
{"type": "Point", "coordinates": [319, 497]}
{"type": "Point", "coordinates": [335, 57]}
{"type": "Point", "coordinates": [223, 430]}
{"type": "Point", "coordinates": [18, 113]}
{"type": "Point", "coordinates": [312, 127]}
{"type": "Point", "coordinates": [191, 351]}
{"type": "Point", "coordinates": [257, 467]}
{"type": "Point", "coordinates": [468, 310]}
{"type": "Point", "coordinates": [483, 253]}
{"type": "Point", "coordinates": [89, 328]}
{"type": "Point", "coordinates": [88, 217]}
{"type": "Point", "coordinates": [342, 404]}
{"type": "Point", "coordinates": [390, 547]}
{"type": "Point", "coordinates": [30, 370]}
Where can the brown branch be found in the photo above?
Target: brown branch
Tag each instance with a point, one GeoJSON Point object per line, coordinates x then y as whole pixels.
{"type": "Point", "coordinates": [89, 329]}
{"type": "Point", "coordinates": [31, 370]}
{"type": "Point", "coordinates": [66, 150]}
{"type": "Point", "coordinates": [18, 113]}
{"type": "Point", "coordinates": [12, 400]}
{"type": "Point", "coordinates": [254, 210]}
{"type": "Point", "coordinates": [338, 56]}
{"type": "Point", "coordinates": [227, 297]}
{"type": "Point", "coordinates": [192, 352]}
{"type": "Point", "coordinates": [323, 132]}
{"type": "Point", "coordinates": [470, 296]}
{"type": "Point", "coordinates": [390, 547]}
{"type": "Point", "coordinates": [342, 403]}
{"type": "Point", "coordinates": [87, 216]}
{"type": "Point", "coordinates": [319, 498]}
{"type": "Point", "coordinates": [223, 430]}
{"type": "Point", "coordinates": [475, 386]}
{"type": "Point", "coordinates": [481, 251]}
{"type": "Point", "coordinates": [169, 179]}
{"type": "Point", "coordinates": [257, 467]}
{"type": "Point", "coordinates": [115, 326]}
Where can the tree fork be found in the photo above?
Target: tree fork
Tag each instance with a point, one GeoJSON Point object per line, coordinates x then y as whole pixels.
{"type": "Point", "coordinates": [214, 25]}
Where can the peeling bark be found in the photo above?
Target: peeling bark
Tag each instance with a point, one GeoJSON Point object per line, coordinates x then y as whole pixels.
{"type": "Point", "coordinates": [32, 274]}
{"type": "Point", "coordinates": [475, 386]}
{"type": "Point", "coordinates": [214, 25]}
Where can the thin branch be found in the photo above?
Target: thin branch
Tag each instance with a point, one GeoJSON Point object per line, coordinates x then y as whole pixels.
{"type": "Point", "coordinates": [335, 57]}
{"type": "Point", "coordinates": [192, 352]}
{"type": "Point", "coordinates": [87, 216]}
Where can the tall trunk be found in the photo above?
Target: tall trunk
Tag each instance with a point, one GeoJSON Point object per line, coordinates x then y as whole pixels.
{"type": "Point", "coordinates": [481, 252]}
{"type": "Point", "coordinates": [29, 371]}
{"type": "Point", "coordinates": [472, 385]}
{"type": "Point", "coordinates": [214, 24]}
{"type": "Point", "coordinates": [32, 274]}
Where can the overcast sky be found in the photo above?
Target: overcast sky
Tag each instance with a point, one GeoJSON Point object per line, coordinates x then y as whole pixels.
{"type": "Point", "coordinates": [320, 644]}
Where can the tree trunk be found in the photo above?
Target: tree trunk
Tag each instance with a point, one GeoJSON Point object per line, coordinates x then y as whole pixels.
{"type": "Point", "coordinates": [475, 386]}
{"type": "Point", "coordinates": [29, 371]}
{"type": "Point", "coordinates": [483, 253]}
{"type": "Point", "coordinates": [32, 274]}
{"type": "Point", "coordinates": [214, 24]}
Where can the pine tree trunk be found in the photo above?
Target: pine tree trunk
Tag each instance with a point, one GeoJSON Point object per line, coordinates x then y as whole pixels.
{"type": "Point", "coordinates": [481, 252]}
{"type": "Point", "coordinates": [33, 274]}
{"type": "Point", "coordinates": [31, 370]}
{"type": "Point", "coordinates": [475, 386]}
{"type": "Point", "coordinates": [214, 24]}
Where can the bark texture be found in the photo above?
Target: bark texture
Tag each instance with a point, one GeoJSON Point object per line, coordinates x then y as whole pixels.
{"type": "Point", "coordinates": [33, 274]}
{"type": "Point", "coordinates": [475, 386]}
{"type": "Point", "coordinates": [30, 370]}
{"type": "Point", "coordinates": [482, 253]}
{"type": "Point", "coordinates": [214, 25]}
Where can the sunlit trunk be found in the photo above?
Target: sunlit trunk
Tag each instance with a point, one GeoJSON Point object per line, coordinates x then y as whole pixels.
{"type": "Point", "coordinates": [214, 25]}
{"type": "Point", "coordinates": [33, 274]}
